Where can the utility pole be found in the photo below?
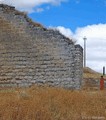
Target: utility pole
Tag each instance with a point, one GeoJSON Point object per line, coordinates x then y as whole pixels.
{"type": "Point", "coordinates": [84, 51]}
{"type": "Point", "coordinates": [103, 70]}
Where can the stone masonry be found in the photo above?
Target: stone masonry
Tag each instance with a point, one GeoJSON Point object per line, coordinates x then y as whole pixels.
{"type": "Point", "coordinates": [31, 54]}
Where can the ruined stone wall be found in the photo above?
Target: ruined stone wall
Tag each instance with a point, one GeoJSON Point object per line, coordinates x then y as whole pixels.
{"type": "Point", "coordinates": [31, 54]}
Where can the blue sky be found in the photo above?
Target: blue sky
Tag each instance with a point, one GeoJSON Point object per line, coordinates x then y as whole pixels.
{"type": "Point", "coordinates": [81, 18]}
{"type": "Point", "coordinates": [72, 14]}
{"type": "Point", "coordinates": [75, 19]}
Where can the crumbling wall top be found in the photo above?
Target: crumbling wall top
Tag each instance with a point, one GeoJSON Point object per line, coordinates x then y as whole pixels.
{"type": "Point", "coordinates": [11, 10]}
{"type": "Point", "coordinates": [7, 7]}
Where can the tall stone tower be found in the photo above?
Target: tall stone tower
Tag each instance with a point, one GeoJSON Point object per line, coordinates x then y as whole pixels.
{"type": "Point", "coordinates": [31, 54]}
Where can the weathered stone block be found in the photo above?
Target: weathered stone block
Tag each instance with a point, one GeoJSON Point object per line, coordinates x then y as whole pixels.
{"type": "Point", "coordinates": [31, 54]}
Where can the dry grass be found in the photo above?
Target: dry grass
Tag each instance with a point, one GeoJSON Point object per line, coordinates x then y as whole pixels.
{"type": "Point", "coordinates": [89, 73]}
{"type": "Point", "coordinates": [91, 79]}
{"type": "Point", "coordinates": [44, 103]}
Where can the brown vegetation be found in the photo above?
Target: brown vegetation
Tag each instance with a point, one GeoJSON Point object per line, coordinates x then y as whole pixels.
{"type": "Point", "coordinates": [89, 73]}
{"type": "Point", "coordinates": [45, 103]}
{"type": "Point", "coordinates": [91, 79]}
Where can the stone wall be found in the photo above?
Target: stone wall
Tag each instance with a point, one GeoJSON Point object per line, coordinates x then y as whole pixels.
{"type": "Point", "coordinates": [31, 54]}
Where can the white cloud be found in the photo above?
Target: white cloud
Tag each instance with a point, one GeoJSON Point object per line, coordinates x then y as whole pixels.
{"type": "Point", "coordinates": [65, 31]}
{"type": "Point", "coordinates": [29, 5]}
{"type": "Point", "coordinates": [39, 10]}
{"type": "Point", "coordinates": [96, 43]}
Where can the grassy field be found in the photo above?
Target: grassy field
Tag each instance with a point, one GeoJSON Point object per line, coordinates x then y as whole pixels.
{"type": "Point", "coordinates": [45, 103]}
{"type": "Point", "coordinates": [89, 73]}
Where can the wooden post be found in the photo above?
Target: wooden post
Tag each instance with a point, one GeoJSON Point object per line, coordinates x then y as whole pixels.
{"type": "Point", "coordinates": [101, 83]}
{"type": "Point", "coordinates": [103, 70]}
